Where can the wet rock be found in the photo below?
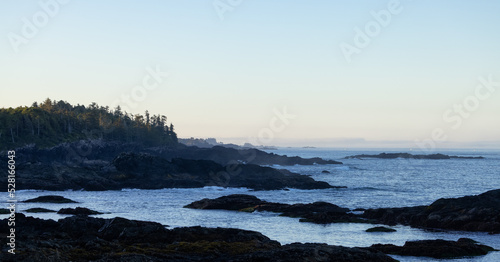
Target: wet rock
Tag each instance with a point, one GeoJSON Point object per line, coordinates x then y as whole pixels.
{"type": "Point", "coordinates": [78, 211]}
{"type": "Point", "coordinates": [380, 229]}
{"type": "Point", "coordinates": [439, 248]}
{"type": "Point", "coordinates": [325, 172]}
{"type": "Point", "coordinates": [39, 210]}
{"type": "Point", "coordinates": [83, 238]}
{"type": "Point", "coordinates": [50, 199]}
{"type": "Point", "coordinates": [231, 202]}
{"type": "Point", "coordinates": [316, 252]}
{"type": "Point", "coordinates": [317, 212]}
{"type": "Point", "coordinates": [469, 213]}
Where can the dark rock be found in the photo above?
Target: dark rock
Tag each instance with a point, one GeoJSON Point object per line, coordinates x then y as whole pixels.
{"type": "Point", "coordinates": [146, 171]}
{"type": "Point", "coordinates": [439, 248]}
{"type": "Point", "coordinates": [78, 211]}
{"type": "Point", "coordinates": [469, 213]}
{"type": "Point", "coordinates": [225, 156]}
{"type": "Point", "coordinates": [317, 212]}
{"type": "Point", "coordinates": [39, 210]}
{"type": "Point", "coordinates": [325, 172]}
{"type": "Point", "coordinates": [4, 211]}
{"type": "Point", "coordinates": [231, 202]}
{"type": "Point", "coordinates": [50, 199]}
{"type": "Point", "coordinates": [380, 229]}
{"type": "Point", "coordinates": [98, 165]}
{"type": "Point", "coordinates": [316, 252]}
{"type": "Point", "coordinates": [83, 152]}
{"type": "Point", "coordinates": [410, 156]}
{"type": "Point", "coordinates": [82, 238]}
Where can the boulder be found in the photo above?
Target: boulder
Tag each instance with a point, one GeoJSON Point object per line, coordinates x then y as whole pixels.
{"type": "Point", "coordinates": [39, 210]}
{"type": "Point", "coordinates": [50, 199]}
{"type": "Point", "coordinates": [439, 248]}
{"type": "Point", "coordinates": [81, 211]}
{"type": "Point", "coordinates": [380, 229]}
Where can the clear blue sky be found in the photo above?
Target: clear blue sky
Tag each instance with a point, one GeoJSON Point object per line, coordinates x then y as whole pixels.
{"type": "Point", "coordinates": [227, 76]}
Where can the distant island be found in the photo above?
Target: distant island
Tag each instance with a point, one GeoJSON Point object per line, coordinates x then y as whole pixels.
{"type": "Point", "coordinates": [211, 142]}
{"type": "Point", "coordinates": [410, 156]}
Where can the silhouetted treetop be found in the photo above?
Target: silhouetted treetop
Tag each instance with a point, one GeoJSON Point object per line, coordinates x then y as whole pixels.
{"type": "Point", "coordinates": [52, 122]}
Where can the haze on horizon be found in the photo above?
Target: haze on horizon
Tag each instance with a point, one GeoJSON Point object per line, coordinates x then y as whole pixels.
{"type": "Point", "coordinates": [332, 73]}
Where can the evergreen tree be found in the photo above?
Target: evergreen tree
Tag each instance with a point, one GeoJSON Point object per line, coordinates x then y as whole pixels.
{"type": "Point", "coordinates": [52, 122]}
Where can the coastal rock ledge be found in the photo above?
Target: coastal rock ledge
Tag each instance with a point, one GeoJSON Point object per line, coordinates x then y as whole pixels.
{"type": "Point", "coordinates": [470, 213]}
{"type": "Point", "coordinates": [317, 212]}
{"type": "Point", "coordinates": [81, 238]}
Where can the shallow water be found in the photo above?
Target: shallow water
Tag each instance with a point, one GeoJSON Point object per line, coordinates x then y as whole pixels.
{"type": "Point", "coordinates": [371, 183]}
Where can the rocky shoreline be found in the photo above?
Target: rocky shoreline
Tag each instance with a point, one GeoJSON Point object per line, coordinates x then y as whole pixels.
{"type": "Point", "coordinates": [95, 165]}
{"type": "Point", "coordinates": [83, 238]}
{"type": "Point", "coordinates": [480, 213]}
{"type": "Point", "coordinates": [317, 212]}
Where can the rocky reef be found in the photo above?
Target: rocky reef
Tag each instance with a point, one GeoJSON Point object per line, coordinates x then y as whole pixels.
{"type": "Point", "coordinates": [469, 213]}
{"type": "Point", "coordinates": [317, 212]}
{"type": "Point", "coordinates": [50, 199]}
{"type": "Point", "coordinates": [82, 238]}
{"type": "Point", "coordinates": [479, 213]}
{"type": "Point", "coordinates": [410, 156]}
{"type": "Point", "coordinates": [464, 247]}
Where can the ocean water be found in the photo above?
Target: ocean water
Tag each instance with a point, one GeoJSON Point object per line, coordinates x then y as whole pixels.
{"type": "Point", "coordinates": [370, 183]}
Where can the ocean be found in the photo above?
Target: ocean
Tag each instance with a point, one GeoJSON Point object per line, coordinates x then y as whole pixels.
{"type": "Point", "coordinates": [371, 183]}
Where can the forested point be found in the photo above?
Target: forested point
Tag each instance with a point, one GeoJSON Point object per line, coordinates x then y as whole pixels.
{"type": "Point", "coordinates": [54, 122]}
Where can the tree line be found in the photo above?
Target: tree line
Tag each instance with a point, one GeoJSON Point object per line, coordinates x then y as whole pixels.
{"type": "Point", "coordinates": [53, 122]}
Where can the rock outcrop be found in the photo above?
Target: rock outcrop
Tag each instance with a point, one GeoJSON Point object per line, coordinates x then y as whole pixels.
{"type": "Point", "coordinates": [50, 199]}
{"type": "Point", "coordinates": [80, 211]}
{"type": "Point", "coordinates": [469, 213]}
{"type": "Point", "coordinates": [81, 238]}
{"type": "Point", "coordinates": [410, 156]}
{"type": "Point", "coordinates": [98, 166]}
{"type": "Point", "coordinates": [317, 212]}
{"type": "Point", "coordinates": [82, 151]}
{"type": "Point", "coordinates": [439, 248]}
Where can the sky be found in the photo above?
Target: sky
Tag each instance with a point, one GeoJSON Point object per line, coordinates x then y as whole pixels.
{"type": "Point", "coordinates": [323, 73]}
